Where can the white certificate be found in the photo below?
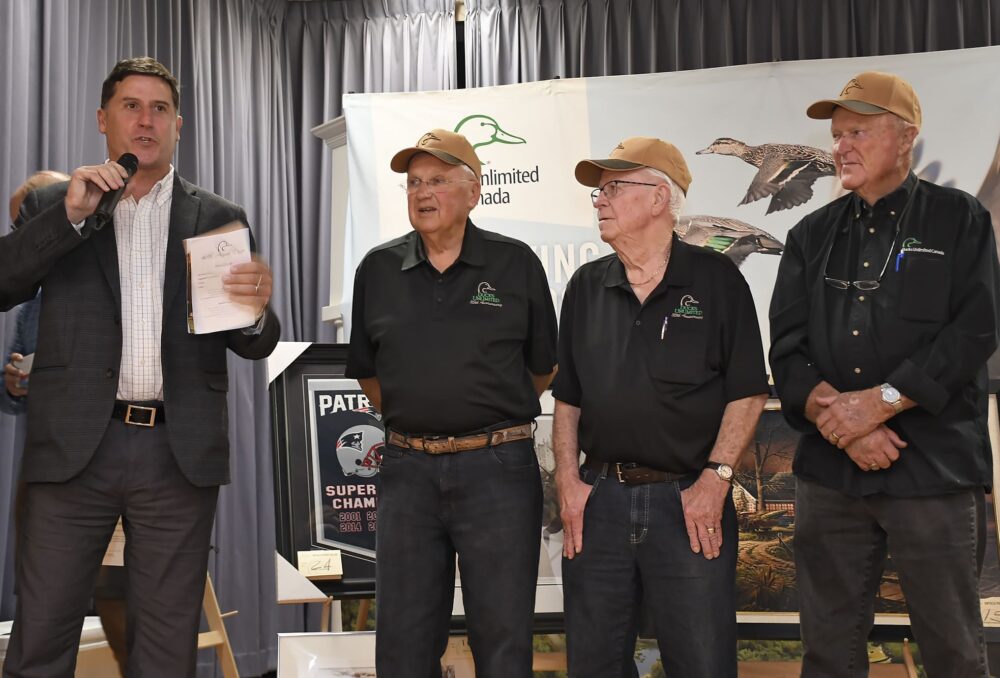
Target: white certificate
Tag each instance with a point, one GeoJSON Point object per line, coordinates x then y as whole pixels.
{"type": "Point", "coordinates": [209, 257]}
{"type": "Point", "coordinates": [115, 554]}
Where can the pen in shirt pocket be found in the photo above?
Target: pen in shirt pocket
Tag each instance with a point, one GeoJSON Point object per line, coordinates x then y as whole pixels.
{"type": "Point", "coordinates": [899, 259]}
{"type": "Point", "coordinates": [663, 328]}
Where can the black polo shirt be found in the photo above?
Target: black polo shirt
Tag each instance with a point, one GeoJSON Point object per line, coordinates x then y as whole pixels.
{"type": "Point", "coordinates": [652, 380]}
{"type": "Point", "coordinates": [454, 351]}
{"type": "Point", "coordinates": [927, 330]}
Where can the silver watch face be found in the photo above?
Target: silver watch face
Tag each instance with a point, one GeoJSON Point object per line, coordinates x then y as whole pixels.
{"type": "Point", "coordinates": [890, 394]}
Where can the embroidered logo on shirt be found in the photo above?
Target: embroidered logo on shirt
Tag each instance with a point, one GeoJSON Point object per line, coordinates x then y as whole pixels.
{"type": "Point", "coordinates": [913, 245]}
{"type": "Point", "coordinates": [688, 308]}
{"type": "Point", "coordinates": [485, 295]}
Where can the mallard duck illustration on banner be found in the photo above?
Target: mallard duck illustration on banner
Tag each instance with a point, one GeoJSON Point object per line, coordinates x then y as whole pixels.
{"type": "Point", "coordinates": [786, 172]}
{"type": "Point", "coordinates": [732, 237]}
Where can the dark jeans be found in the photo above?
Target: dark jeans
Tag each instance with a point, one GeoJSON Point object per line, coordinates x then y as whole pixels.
{"type": "Point", "coordinates": [636, 548]}
{"type": "Point", "coordinates": [64, 532]}
{"type": "Point", "coordinates": [483, 505]}
{"type": "Point", "coordinates": [937, 546]}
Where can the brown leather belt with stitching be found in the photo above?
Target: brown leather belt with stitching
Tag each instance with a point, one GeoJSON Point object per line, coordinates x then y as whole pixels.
{"type": "Point", "coordinates": [450, 444]}
{"type": "Point", "coordinates": [633, 474]}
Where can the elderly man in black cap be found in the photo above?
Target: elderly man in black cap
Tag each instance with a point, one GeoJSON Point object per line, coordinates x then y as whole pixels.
{"type": "Point", "coordinates": [883, 316]}
{"type": "Point", "coordinates": [453, 339]}
{"type": "Point", "coordinates": [661, 383]}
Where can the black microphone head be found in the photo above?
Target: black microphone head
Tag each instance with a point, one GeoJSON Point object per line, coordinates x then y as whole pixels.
{"type": "Point", "coordinates": [129, 162]}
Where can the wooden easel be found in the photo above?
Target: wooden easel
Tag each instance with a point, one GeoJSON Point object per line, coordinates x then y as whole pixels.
{"type": "Point", "coordinates": [216, 635]}
{"type": "Point", "coordinates": [294, 588]}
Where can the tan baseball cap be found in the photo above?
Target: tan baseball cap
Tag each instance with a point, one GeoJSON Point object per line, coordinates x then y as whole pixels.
{"type": "Point", "coordinates": [449, 147]}
{"type": "Point", "coordinates": [873, 93]}
{"type": "Point", "coordinates": [636, 152]}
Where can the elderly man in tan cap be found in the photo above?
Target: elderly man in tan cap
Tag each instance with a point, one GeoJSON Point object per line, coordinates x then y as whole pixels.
{"type": "Point", "coordinates": [661, 382]}
{"type": "Point", "coordinates": [453, 339]}
{"type": "Point", "coordinates": [883, 316]}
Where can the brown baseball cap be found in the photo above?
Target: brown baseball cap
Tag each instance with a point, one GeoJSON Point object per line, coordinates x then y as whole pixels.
{"type": "Point", "coordinates": [449, 147]}
{"type": "Point", "coordinates": [636, 152]}
{"type": "Point", "coordinates": [873, 93]}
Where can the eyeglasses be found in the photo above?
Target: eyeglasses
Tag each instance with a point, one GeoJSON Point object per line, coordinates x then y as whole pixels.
{"type": "Point", "coordinates": [864, 285]}
{"type": "Point", "coordinates": [435, 185]}
{"type": "Point", "coordinates": [613, 189]}
{"type": "Point", "coordinates": [869, 285]}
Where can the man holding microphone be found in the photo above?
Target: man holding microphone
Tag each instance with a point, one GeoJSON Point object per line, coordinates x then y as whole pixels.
{"type": "Point", "coordinates": [127, 415]}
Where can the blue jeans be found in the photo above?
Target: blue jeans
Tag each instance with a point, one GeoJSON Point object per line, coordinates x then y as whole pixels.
{"type": "Point", "coordinates": [636, 549]}
{"type": "Point", "coordinates": [937, 547]}
{"type": "Point", "coordinates": [486, 507]}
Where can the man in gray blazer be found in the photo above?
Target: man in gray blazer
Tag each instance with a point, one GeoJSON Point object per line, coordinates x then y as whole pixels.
{"type": "Point", "coordinates": [127, 415]}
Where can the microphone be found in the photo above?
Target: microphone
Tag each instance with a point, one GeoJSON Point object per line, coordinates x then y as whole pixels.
{"type": "Point", "coordinates": [106, 207]}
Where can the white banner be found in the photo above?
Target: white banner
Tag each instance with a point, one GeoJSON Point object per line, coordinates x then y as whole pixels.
{"type": "Point", "coordinates": [531, 136]}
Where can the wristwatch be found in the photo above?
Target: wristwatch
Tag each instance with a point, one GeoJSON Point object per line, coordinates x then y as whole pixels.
{"type": "Point", "coordinates": [892, 396]}
{"type": "Point", "coordinates": [725, 471]}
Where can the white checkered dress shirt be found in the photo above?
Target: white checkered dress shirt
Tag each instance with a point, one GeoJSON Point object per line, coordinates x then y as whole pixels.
{"type": "Point", "coordinates": [141, 230]}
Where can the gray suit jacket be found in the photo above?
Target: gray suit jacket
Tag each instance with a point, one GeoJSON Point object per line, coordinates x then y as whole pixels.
{"type": "Point", "coordinates": [74, 379]}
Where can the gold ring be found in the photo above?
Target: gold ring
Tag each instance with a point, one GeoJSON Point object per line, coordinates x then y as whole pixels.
{"type": "Point", "coordinates": [834, 438]}
{"type": "Point", "coordinates": [710, 530]}
{"type": "Point", "coordinates": [257, 286]}
{"type": "Point", "coordinates": [873, 466]}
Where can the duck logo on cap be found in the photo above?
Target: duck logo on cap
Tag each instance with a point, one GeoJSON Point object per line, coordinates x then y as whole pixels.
{"type": "Point", "coordinates": [853, 84]}
{"type": "Point", "coordinates": [619, 147]}
{"type": "Point", "coordinates": [428, 138]}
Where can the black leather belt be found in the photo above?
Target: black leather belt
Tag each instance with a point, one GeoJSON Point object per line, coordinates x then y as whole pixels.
{"type": "Point", "coordinates": [146, 414]}
{"type": "Point", "coordinates": [629, 473]}
{"type": "Point", "coordinates": [450, 444]}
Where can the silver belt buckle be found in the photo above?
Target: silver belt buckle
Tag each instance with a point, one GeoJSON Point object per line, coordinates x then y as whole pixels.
{"type": "Point", "coordinates": [138, 408]}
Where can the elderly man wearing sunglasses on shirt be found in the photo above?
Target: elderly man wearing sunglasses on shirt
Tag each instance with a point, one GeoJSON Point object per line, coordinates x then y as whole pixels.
{"type": "Point", "coordinates": [882, 319]}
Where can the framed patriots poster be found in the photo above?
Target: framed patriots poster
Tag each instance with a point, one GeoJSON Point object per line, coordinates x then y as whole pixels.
{"type": "Point", "coordinates": [328, 440]}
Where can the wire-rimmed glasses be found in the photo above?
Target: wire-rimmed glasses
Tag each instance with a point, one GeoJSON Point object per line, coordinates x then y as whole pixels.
{"type": "Point", "coordinates": [613, 189]}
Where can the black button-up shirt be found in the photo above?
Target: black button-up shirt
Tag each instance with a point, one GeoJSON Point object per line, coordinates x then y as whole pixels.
{"type": "Point", "coordinates": [652, 380]}
{"type": "Point", "coordinates": [453, 351]}
{"type": "Point", "coordinates": [928, 330]}
{"type": "Point", "coordinates": [864, 248]}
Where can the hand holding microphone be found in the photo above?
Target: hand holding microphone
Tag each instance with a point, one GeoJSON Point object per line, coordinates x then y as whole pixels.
{"type": "Point", "coordinates": [94, 190]}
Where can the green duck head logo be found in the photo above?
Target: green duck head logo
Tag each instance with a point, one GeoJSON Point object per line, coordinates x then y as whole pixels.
{"type": "Point", "coordinates": [486, 295]}
{"type": "Point", "coordinates": [688, 308]}
{"type": "Point", "coordinates": [482, 130]}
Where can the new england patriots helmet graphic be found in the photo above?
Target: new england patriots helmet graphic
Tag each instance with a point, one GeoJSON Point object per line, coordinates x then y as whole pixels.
{"type": "Point", "coordinates": [359, 450]}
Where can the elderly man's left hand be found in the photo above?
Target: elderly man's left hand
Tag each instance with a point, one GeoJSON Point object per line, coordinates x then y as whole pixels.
{"type": "Point", "coordinates": [850, 415]}
{"type": "Point", "coordinates": [702, 503]}
{"type": "Point", "coordinates": [250, 284]}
